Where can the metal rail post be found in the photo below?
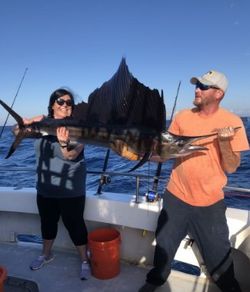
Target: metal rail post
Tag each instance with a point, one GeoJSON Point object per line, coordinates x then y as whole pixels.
{"type": "Point", "coordinates": [137, 201]}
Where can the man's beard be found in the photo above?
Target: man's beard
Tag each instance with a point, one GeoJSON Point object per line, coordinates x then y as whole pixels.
{"type": "Point", "coordinates": [197, 104]}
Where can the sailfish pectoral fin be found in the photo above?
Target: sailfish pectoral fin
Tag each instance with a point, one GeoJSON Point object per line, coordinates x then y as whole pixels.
{"type": "Point", "coordinates": [144, 159]}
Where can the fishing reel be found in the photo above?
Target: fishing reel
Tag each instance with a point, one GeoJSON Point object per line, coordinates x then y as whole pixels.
{"type": "Point", "coordinates": [105, 179]}
{"type": "Point", "coordinates": [152, 196]}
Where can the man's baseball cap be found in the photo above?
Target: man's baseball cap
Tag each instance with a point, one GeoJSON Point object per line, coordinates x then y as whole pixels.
{"type": "Point", "coordinates": [212, 78]}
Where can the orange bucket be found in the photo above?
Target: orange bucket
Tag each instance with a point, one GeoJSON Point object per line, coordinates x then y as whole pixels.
{"type": "Point", "coordinates": [104, 247]}
{"type": "Point", "coordinates": [3, 277]}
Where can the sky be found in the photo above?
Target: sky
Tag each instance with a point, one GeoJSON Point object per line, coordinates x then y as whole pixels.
{"type": "Point", "coordinates": [78, 44]}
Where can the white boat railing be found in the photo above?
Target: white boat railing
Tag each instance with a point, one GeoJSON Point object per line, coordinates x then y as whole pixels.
{"type": "Point", "coordinates": [138, 176]}
{"type": "Point", "coordinates": [103, 177]}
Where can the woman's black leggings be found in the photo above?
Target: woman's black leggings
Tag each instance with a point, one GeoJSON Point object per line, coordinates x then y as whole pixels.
{"type": "Point", "coordinates": [71, 210]}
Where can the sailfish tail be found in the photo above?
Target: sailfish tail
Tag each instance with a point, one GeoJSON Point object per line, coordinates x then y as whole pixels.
{"type": "Point", "coordinates": [14, 145]}
{"type": "Point", "coordinates": [13, 113]}
{"type": "Point", "coordinates": [21, 128]}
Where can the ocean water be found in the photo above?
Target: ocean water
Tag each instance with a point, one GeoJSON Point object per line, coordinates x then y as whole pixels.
{"type": "Point", "coordinates": [24, 160]}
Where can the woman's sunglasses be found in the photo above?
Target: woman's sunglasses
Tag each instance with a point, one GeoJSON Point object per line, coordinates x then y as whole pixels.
{"type": "Point", "coordinates": [61, 102]}
{"type": "Point", "coordinates": [202, 87]}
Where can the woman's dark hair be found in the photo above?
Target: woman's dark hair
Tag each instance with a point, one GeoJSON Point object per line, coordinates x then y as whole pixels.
{"type": "Point", "coordinates": [57, 94]}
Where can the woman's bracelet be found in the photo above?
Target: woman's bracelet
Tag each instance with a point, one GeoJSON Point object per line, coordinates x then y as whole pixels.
{"type": "Point", "coordinates": [64, 144]}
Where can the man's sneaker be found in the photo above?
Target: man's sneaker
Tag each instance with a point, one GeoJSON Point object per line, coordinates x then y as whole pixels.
{"type": "Point", "coordinates": [41, 261]}
{"type": "Point", "coordinates": [147, 287]}
{"type": "Point", "coordinates": [85, 270]}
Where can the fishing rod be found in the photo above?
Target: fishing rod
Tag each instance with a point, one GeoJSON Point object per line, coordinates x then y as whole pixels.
{"type": "Point", "coordinates": [175, 102]}
{"type": "Point", "coordinates": [104, 179]}
{"type": "Point", "coordinates": [153, 195]}
{"type": "Point", "coordinates": [18, 89]}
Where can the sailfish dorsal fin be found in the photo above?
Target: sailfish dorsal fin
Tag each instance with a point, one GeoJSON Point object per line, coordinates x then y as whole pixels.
{"type": "Point", "coordinates": [124, 101]}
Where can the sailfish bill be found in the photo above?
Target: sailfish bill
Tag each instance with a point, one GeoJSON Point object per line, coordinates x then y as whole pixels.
{"type": "Point", "coordinates": [124, 115]}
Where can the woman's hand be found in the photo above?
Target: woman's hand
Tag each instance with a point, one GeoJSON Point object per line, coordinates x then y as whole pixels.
{"type": "Point", "coordinates": [64, 141]}
{"type": "Point", "coordinates": [62, 136]}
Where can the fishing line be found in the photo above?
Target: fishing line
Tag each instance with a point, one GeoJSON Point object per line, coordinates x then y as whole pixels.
{"type": "Point", "coordinates": [19, 87]}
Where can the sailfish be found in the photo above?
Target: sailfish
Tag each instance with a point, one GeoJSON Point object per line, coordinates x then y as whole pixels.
{"type": "Point", "coordinates": [123, 114]}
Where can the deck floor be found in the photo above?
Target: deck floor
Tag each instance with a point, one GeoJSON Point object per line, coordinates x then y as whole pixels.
{"type": "Point", "coordinates": [62, 274]}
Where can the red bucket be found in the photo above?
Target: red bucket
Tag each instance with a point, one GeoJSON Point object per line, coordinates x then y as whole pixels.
{"type": "Point", "coordinates": [3, 277]}
{"type": "Point", "coordinates": [104, 247]}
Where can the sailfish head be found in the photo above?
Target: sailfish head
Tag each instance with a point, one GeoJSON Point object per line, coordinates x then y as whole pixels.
{"type": "Point", "coordinates": [174, 146]}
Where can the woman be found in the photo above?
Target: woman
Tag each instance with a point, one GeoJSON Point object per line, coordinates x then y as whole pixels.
{"type": "Point", "coordinates": [61, 176]}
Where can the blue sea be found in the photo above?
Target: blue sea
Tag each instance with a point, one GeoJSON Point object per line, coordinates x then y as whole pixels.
{"type": "Point", "coordinates": [23, 163]}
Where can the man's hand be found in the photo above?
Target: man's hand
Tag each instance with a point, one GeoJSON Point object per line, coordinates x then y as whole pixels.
{"type": "Point", "coordinates": [226, 133]}
{"type": "Point", "coordinates": [230, 159]}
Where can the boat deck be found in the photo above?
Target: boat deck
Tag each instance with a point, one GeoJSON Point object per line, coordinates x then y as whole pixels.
{"type": "Point", "coordinates": [63, 274]}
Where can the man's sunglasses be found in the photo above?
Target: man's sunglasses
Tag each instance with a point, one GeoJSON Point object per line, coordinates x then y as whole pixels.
{"type": "Point", "coordinates": [61, 102]}
{"type": "Point", "coordinates": [202, 87]}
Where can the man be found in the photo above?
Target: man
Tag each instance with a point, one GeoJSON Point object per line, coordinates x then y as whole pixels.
{"type": "Point", "coordinates": [194, 201]}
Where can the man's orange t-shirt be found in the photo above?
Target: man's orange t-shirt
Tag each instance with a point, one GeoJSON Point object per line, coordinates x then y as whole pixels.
{"type": "Point", "coordinates": [198, 179]}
